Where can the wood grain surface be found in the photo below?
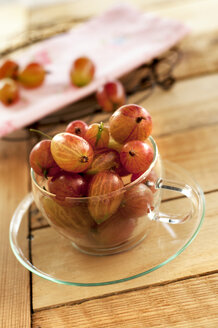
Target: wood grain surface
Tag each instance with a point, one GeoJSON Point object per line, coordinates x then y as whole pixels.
{"type": "Point", "coordinates": [14, 279]}
{"type": "Point", "coordinates": [190, 303]}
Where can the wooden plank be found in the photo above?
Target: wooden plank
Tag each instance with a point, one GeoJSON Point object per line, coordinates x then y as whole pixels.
{"type": "Point", "coordinates": [200, 16]}
{"type": "Point", "coordinates": [200, 47]}
{"type": "Point", "coordinates": [14, 282]}
{"type": "Point", "coordinates": [76, 10]}
{"type": "Point", "coordinates": [189, 12]}
{"type": "Point", "coordinates": [202, 256]}
{"type": "Point", "coordinates": [196, 151]}
{"type": "Point", "coordinates": [199, 55]}
{"type": "Point", "coordinates": [189, 104]}
{"type": "Point", "coordinates": [191, 303]}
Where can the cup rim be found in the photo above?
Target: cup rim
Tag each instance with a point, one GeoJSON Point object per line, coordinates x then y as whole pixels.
{"type": "Point", "coordinates": [124, 188]}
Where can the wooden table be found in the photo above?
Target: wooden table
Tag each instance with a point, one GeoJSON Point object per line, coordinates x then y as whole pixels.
{"type": "Point", "coordinates": [183, 293]}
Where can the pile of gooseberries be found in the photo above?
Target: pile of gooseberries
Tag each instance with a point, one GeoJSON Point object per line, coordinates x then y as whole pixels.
{"type": "Point", "coordinates": [93, 161]}
{"type": "Point", "coordinates": [109, 96]}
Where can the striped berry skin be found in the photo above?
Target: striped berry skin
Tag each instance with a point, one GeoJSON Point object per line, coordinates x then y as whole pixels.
{"type": "Point", "coordinates": [130, 122]}
{"type": "Point", "coordinates": [104, 206]}
{"type": "Point", "coordinates": [97, 135]}
{"type": "Point", "coordinates": [105, 159]}
{"type": "Point", "coordinates": [71, 152]}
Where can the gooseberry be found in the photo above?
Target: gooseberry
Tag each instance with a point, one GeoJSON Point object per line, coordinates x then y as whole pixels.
{"type": "Point", "coordinates": [97, 135]}
{"type": "Point", "coordinates": [130, 122]}
{"type": "Point", "coordinates": [9, 92]}
{"type": "Point", "coordinates": [103, 183]}
{"type": "Point", "coordinates": [115, 230]}
{"type": "Point", "coordinates": [136, 156]}
{"type": "Point", "coordinates": [32, 76]}
{"type": "Point", "coordinates": [137, 201]}
{"type": "Point", "coordinates": [77, 127]}
{"type": "Point", "coordinates": [41, 159]}
{"type": "Point", "coordinates": [67, 184]}
{"type": "Point", "coordinates": [9, 69]}
{"type": "Point", "coordinates": [82, 71]}
{"type": "Point", "coordinates": [149, 180]}
{"type": "Point", "coordinates": [71, 152]}
{"type": "Point", "coordinates": [104, 159]}
{"type": "Point", "coordinates": [111, 95]}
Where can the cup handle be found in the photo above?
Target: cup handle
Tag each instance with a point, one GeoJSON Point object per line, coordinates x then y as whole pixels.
{"type": "Point", "coordinates": [183, 189]}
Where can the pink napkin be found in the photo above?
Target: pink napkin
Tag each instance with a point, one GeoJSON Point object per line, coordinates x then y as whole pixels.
{"type": "Point", "coordinates": [118, 41]}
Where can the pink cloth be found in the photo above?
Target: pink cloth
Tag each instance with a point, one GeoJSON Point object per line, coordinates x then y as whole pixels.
{"type": "Point", "coordinates": [118, 41]}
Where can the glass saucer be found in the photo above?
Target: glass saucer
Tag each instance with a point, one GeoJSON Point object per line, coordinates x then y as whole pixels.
{"type": "Point", "coordinates": [47, 254]}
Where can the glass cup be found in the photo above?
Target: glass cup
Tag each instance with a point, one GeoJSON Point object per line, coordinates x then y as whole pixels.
{"type": "Point", "coordinates": [131, 211]}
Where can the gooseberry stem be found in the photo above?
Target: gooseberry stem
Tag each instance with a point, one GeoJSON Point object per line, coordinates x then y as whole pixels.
{"type": "Point", "coordinates": [100, 129]}
{"type": "Point", "coordinates": [42, 133]}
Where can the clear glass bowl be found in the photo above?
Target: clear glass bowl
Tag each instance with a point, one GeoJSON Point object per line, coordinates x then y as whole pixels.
{"type": "Point", "coordinates": [129, 212]}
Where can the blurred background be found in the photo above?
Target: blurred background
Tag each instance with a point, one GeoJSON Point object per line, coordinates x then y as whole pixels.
{"type": "Point", "coordinates": [22, 19]}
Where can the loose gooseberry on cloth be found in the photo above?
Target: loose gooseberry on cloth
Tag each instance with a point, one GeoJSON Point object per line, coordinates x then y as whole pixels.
{"type": "Point", "coordinates": [9, 92]}
{"type": "Point", "coordinates": [130, 122]}
{"type": "Point", "coordinates": [111, 96]}
{"type": "Point", "coordinates": [71, 152]}
{"type": "Point", "coordinates": [9, 69]}
{"type": "Point", "coordinates": [82, 71]}
{"type": "Point", "coordinates": [32, 76]}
